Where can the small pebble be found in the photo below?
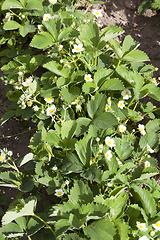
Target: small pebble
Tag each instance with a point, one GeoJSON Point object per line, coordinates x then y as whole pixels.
{"type": "Point", "coordinates": [130, 5]}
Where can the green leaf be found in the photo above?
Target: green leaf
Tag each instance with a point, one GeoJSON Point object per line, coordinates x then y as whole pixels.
{"type": "Point", "coordinates": [8, 4]}
{"type": "Point", "coordinates": [112, 84]}
{"type": "Point", "coordinates": [67, 34]}
{"type": "Point", "coordinates": [105, 120]}
{"type": "Point", "coordinates": [112, 165]}
{"type": "Point", "coordinates": [123, 229]}
{"type": "Point", "coordinates": [7, 116]}
{"type": "Point", "coordinates": [134, 116]}
{"type": "Point", "coordinates": [97, 105]}
{"type": "Point", "coordinates": [28, 157]}
{"type": "Point", "coordinates": [34, 225]}
{"type": "Point", "coordinates": [110, 32]}
{"type": "Point", "coordinates": [53, 139]}
{"type": "Point", "coordinates": [101, 75]}
{"type": "Point", "coordinates": [11, 25]}
{"type": "Point", "coordinates": [53, 26]}
{"type": "Point", "coordinates": [27, 209]}
{"type": "Point", "coordinates": [55, 68]}
{"type": "Point", "coordinates": [89, 34]}
{"type": "Point", "coordinates": [12, 230]}
{"type": "Point", "coordinates": [35, 62]}
{"type": "Point", "coordinates": [118, 205]}
{"type": "Point", "coordinates": [144, 6]}
{"type": "Point", "coordinates": [147, 201]}
{"type": "Point", "coordinates": [102, 229]}
{"type": "Point", "coordinates": [68, 130]}
{"type": "Point", "coordinates": [82, 125]}
{"type": "Point", "coordinates": [42, 40]}
{"type": "Point", "coordinates": [24, 30]}
{"type": "Point", "coordinates": [93, 173]}
{"type": "Point", "coordinates": [153, 126]}
{"type": "Point", "coordinates": [83, 149]}
{"type": "Point", "coordinates": [88, 87]}
{"type": "Point", "coordinates": [70, 94]}
{"type": "Point", "coordinates": [152, 91]}
{"type": "Point", "coordinates": [34, 5]}
{"type": "Point", "coordinates": [136, 56]}
{"type": "Point", "coordinates": [75, 221]}
{"type": "Point", "coordinates": [149, 138]}
{"type": "Point", "coordinates": [128, 45]}
{"type": "Point", "coordinates": [80, 193]}
{"type": "Point", "coordinates": [61, 226]}
{"type": "Point", "coordinates": [72, 164]}
{"type": "Point", "coordinates": [123, 148]}
{"type": "Point", "coordinates": [73, 236]}
{"type": "Point", "coordinates": [115, 45]}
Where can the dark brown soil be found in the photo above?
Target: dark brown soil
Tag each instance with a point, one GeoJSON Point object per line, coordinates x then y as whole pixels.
{"type": "Point", "coordinates": [123, 13]}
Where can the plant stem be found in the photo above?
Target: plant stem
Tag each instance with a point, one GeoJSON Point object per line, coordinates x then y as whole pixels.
{"type": "Point", "coordinates": [151, 111]}
{"type": "Point", "coordinates": [45, 223]}
{"type": "Point", "coordinates": [18, 133]}
{"type": "Point", "coordinates": [96, 59]}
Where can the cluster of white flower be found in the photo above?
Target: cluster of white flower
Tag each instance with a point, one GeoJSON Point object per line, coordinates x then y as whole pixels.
{"type": "Point", "coordinates": [27, 82]}
{"type": "Point", "coordinates": [78, 102]}
{"type": "Point", "coordinates": [143, 228]}
{"type": "Point", "coordinates": [111, 143]}
{"type": "Point", "coordinates": [47, 16]}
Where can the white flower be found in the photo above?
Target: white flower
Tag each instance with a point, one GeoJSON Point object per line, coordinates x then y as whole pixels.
{"type": "Point", "coordinates": [144, 238]}
{"type": "Point", "coordinates": [2, 156]}
{"type": "Point", "coordinates": [109, 101]}
{"type": "Point", "coordinates": [78, 41]}
{"type": "Point", "coordinates": [46, 17]}
{"type": "Point", "coordinates": [141, 129]}
{"type": "Point", "coordinates": [108, 155]}
{"type": "Point", "coordinates": [88, 78]}
{"type": "Point", "coordinates": [59, 192]}
{"type": "Point", "coordinates": [149, 149]}
{"type": "Point", "coordinates": [110, 142]}
{"type": "Point", "coordinates": [29, 103]}
{"type": "Point", "coordinates": [152, 233]}
{"type": "Point", "coordinates": [51, 110]}
{"type": "Point", "coordinates": [5, 20]}
{"type": "Point", "coordinates": [126, 94]}
{"type": "Point", "coordinates": [121, 104]}
{"type": "Point", "coordinates": [142, 226]}
{"type": "Point", "coordinates": [55, 79]}
{"type": "Point", "coordinates": [97, 13]}
{"type": "Point", "coordinates": [55, 16]}
{"type": "Point", "coordinates": [53, 55]}
{"type": "Point", "coordinates": [8, 16]}
{"type": "Point", "coordinates": [122, 128]}
{"type": "Point", "coordinates": [60, 47]}
{"type": "Point", "coordinates": [35, 108]}
{"type": "Point", "coordinates": [78, 108]}
{"type": "Point", "coordinates": [119, 162]}
{"type": "Point", "coordinates": [55, 168]}
{"type": "Point", "coordinates": [157, 225]}
{"type": "Point", "coordinates": [147, 164]}
{"type": "Point", "coordinates": [53, 1]}
{"type": "Point", "coordinates": [40, 27]}
{"type": "Point", "coordinates": [78, 48]}
{"type": "Point", "coordinates": [27, 82]}
{"type": "Point", "coordinates": [49, 100]}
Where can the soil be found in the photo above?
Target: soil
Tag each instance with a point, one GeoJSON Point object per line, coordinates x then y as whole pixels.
{"type": "Point", "coordinates": [143, 28]}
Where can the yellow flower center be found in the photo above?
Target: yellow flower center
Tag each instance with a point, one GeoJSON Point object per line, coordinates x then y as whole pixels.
{"type": "Point", "coordinates": [28, 83]}
{"type": "Point", "coordinates": [51, 111]}
{"type": "Point", "coordinates": [157, 224]}
{"type": "Point", "coordinates": [88, 78]}
{"type": "Point", "coordinates": [76, 101]}
{"type": "Point", "coordinates": [97, 13]}
{"type": "Point", "coordinates": [107, 155]}
{"type": "Point", "coordinates": [47, 17]}
{"type": "Point", "coordinates": [121, 104]}
{"type": "Point", "coordinates": [59, 193]}
{"type": "Point", "coordinates": [49, 99]}
{"type": "Point", "coordinates": [78, 49]}
{"type": "Point", "coordinates": [1, 157]}
{"type": "Point", "coordinates": [140, 226]}
{"type": "Point", "coordinates": [142, 129]}
{"type": "Point", "coordinates": [109, 142]}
